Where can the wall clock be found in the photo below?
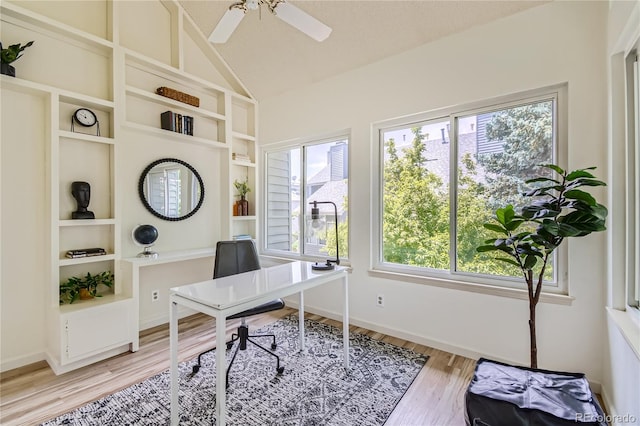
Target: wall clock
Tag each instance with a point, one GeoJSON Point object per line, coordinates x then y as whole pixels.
{"type": "Point", "coordinates": [85, 118]}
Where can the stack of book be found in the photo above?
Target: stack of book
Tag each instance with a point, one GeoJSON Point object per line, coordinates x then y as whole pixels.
{"type": "Point", "coordinates": [88, 252]}
{"type": "Point", "coordinates": [175, 122]}
{"type": "Point", "coordinates": [240, 157]}
{"type": "Point", "coordinates": [242, 237]}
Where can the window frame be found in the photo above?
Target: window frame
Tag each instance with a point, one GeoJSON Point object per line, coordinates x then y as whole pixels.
{"type": "Point", "coordinates": [300, 144]}
{"type": "Point", "coordinates": [451, 277]}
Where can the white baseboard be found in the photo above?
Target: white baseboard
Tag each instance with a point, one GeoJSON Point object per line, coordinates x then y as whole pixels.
{"type": "Point", "coordinates": [436, 344]}
{"type": "Point", "coordinates": [18, 362]}
{"type": "Point", "coordinates": [61, 369]}
{"type": "Point", "coordinates": [161, 319]}
{"type": "Point", "coordinates": [432, 343]}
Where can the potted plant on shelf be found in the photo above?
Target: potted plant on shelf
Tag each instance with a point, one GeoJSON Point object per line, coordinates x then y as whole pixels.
{"type": "Point", "coordinates": [9, 55]}
{"type": "Point", "coordinates": [559, 210]}
{"type": "Point", "coordinates": [242, 206]}
{"type": "Point", "coordinates": [84, 287]}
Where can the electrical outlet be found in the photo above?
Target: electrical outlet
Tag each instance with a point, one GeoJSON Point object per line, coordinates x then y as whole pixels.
{"type": "Point", "coordinates": [380, 300]}
{"type": "Point", "coordinates": [155, 295]}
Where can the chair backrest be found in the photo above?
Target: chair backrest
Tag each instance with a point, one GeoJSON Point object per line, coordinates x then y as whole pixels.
{"type": "Point", "coordinates": [235, 257]}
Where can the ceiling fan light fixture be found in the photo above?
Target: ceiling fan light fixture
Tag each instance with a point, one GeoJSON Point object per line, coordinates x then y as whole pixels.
{"type": "Point", "coordinates": [302, 21]}
{"type": "Point", "coordinates": [227, 25]}
{"type": "Point", "coordinates": [290, 14]}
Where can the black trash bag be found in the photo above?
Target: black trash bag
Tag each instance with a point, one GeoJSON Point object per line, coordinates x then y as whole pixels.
{"type": "Point", "coordinates": [503, 395]}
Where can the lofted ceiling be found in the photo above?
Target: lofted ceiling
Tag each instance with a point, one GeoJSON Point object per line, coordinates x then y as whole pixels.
{"type": "Point", "coordinates": [271, 57]}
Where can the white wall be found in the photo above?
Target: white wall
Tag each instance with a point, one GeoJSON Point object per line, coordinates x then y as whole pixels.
{"type": "Point", "coordinates": [550, 44]}
{"type": "Point", "coordinates": [23, 228]}
{"type": "Point", "coordinates": [621, 375]}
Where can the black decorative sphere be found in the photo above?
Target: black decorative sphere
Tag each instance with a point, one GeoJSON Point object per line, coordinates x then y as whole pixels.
{"type": "Point", "coordinates": [145, 235]}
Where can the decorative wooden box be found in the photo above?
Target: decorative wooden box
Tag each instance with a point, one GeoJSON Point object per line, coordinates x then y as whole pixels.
{"type": "Point", "coordinates": [178, 96]}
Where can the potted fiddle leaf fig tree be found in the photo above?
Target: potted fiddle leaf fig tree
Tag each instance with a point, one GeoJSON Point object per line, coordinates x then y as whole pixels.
{"type": "Point", "coordinates": [9, 55]}
{"type": "Point", "coordinates": [559, 209]}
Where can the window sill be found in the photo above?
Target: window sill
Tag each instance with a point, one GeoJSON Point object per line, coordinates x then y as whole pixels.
{"type": "Point", "coordinates": [514, 293]}
{"type": "Point", "coordinates": [629, 326]}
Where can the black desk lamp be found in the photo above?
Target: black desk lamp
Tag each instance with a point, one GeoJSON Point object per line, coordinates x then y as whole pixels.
{"type": "Point", "coordinates": [315, 215]}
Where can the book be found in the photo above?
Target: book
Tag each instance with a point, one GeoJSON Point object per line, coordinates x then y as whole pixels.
{"type": "Point", "coordinates": [167, 120]}
{"type": "Point", "coordinates": [88, 252]}
{"type": "Point", "coordinates": [175, 122]}
{"type": "Point", "coordinates": [242, 237]}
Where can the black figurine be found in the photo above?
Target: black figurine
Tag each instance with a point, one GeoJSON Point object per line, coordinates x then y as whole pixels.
{"type": "Point", "coordinates": [81, 191]}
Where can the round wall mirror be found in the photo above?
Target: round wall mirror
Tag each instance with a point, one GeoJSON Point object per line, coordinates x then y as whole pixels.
{"type": "Point", "coordinates": [171, 189]}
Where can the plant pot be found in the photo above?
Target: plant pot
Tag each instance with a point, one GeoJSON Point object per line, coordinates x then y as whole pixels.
{"type": "Point", "coordinates": [7, 69]}
{"type": "Point", "coordinates": [85, 294]}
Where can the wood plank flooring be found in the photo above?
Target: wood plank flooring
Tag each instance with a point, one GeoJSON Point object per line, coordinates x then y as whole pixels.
{"type": "Point", "coordinates": [33, 394]}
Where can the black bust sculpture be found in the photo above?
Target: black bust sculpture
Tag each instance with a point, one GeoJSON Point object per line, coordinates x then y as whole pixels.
{"type": "Point", "coordinates": [81, 191]}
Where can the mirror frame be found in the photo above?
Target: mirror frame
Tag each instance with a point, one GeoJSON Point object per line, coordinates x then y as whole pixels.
{"type": "Point", "coordinates": [143, 176]}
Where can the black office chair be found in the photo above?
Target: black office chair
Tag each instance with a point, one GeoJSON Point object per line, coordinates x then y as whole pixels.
{"type": "Point", "coordinates": [235, 257]}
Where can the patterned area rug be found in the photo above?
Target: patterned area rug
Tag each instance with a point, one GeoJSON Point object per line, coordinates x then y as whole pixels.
{"type": "Point", "coordinates": [313, 390]}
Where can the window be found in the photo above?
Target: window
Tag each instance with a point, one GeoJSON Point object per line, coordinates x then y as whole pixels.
{"type": "Point", "coordinates": [632, 191]}
{"type": "Point", "coordinates": [475, 158]}
{"type": "Point", "coordinates": [313, 171]}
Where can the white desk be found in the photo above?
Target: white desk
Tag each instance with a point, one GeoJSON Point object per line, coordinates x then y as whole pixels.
{"type": "Point", "coordinates": [226, 296]}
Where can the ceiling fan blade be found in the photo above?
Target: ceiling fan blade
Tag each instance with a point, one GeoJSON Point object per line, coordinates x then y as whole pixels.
{"type": "Point", "coordinates": [227, 25]}
{"type": "Point", "coordinates": [301, 20]}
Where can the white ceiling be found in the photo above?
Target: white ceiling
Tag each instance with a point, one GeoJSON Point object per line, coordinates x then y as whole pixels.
{"type": "Point", "coordinates": [271, 57]}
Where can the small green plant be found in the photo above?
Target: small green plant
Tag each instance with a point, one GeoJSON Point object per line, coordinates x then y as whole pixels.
{"type": "Point", "coordinates": [13, 52]}
{"type": "Point", "coordinates": [559, 210]}
{"type": "Point", "coordinates": [242, 187]}
{"type": "Point", "coordinates": [71, 290]}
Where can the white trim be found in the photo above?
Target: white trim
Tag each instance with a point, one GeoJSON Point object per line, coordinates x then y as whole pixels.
{"type": "Point", "coordinates": [596, 387]}
{"type": "Point", "coordinates": [474, 287]}
{"type": "Point", "coordinates": [454, 279]}
{"type": "Point", "coordinates": [21, 361]}
{"type": "Point", "coordinates": [300, 144]}
{"type": "Point", "coordinates": [628, 323]}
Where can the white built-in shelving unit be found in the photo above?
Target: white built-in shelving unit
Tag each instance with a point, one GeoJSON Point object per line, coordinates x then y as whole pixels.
{"type": "Point", "coordinates": [118, 83]}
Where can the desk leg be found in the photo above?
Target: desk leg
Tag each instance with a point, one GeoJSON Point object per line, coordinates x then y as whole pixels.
{"type": "Point", "coordinates": [173, 349]}
{"type": "Point", "coordinates": [221, 385]}
{"type": "Point", "coordinates": [345, 321]}
{"type": "Point", "coordinates": [301, 319]}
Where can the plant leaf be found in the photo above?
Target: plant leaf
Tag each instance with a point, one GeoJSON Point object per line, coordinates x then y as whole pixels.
{"type": "Point", "coordinates": [495, 228]}
{"type": "Point", "coordinates": [510, 261]}
{"type": "Point", "coordinates": [553, 167]}
{"type": "Point", "coordinates": [576, 194]}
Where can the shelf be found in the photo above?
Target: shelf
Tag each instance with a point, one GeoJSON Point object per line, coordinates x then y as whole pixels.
{"type": "Point", "coordinates": [85, 100]}
{"type": "Point", "coordinates": [243, 218]}
{"type": "Point", "coordinates": [163, 70]}
{"type": "Point", "coordinates": [176, 136]}
{"type": "Point", "coordinates": [106, 299]}
{"type": "Point", "coordinates": [66, 96]}
{"type": "Point", "coordinates": [24, 86]}
{"type": "Point", "coordinates": [85, 137]}
{"type": "Point", "coordinates": [172, 256]}
{"type": "Point", "coordinates": [86, 222]}
{"type": "Point", "coordinates": [83, 260]}
{"type": "Point", "coordinates": [243, 136]}
{"type": "Point", "coordinates": [242, 163]}
{"type": "Point", "coordinates": [11, 12]}
{"type": "Point", "coordinates": [173, 103]}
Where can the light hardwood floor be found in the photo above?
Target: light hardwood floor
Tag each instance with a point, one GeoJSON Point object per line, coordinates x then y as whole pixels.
{"type": "Point", "coordinates": [33, 394]}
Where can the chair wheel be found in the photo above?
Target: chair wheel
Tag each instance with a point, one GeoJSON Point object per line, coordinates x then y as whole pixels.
{"type": "Point", "coordinates": [274, 346]}
{"type": "Point", "coordinates": [229, 346]}
{"type": "Point", "coordinates": [280, 370]}
{"type": "Point", "coordinates": [195, 369]}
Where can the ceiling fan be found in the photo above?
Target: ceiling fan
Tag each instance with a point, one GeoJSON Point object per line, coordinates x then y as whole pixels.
{"type": "Point", "coordinates": [285, 11]}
